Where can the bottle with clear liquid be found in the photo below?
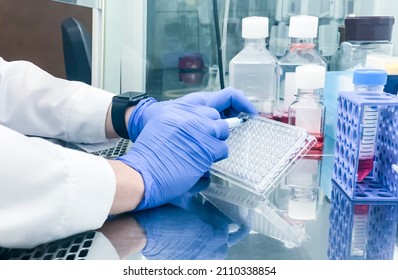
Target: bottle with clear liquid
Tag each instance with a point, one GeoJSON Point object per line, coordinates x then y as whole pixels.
{"type": "Point", "coordinates": [363, 35]}
{"type": "Point", "coordinates": [254, 69]}
{"type": "Point", "coordinates": [367, 81]}
{"type": "Point", "coordinates": [302, 51]}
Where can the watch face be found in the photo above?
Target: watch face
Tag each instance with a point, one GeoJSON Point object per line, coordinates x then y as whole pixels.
{"type": "Point", "coordinates": [132, 95]}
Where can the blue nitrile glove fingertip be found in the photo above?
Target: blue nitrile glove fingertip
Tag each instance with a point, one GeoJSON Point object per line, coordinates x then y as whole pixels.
{"type": "Point", "coordinates": [240, 102]}
{"type": "Point", "coordinates": [230, 99]}
{"type": "Point", "coordinates": [221, 129]}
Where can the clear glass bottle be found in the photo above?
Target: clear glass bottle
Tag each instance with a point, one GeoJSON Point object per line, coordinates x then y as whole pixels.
{"type": "Point", "coordinates": [390, 65]}
{"type": "Point", "coordinates": [302, 51]}
{"type": "Point", "coordinates": [303, 203]}
{"type": "Point", "coordinates": [363, 35]}
{"type": "Point", "coordinates": [367, 81]}
{"type": "Point", "coordinates": [254, 69]}
{"type": "Point", "coordinates": [307, 112]}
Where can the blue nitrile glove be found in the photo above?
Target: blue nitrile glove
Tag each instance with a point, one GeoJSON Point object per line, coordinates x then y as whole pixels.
{"type": "Point", "coordinates": [185, 200]}
{"type": "Point", "coordinates": [229, 102]}
{"type": "Point", "coordinates": [184, 234]}
{"type": "Point", "coordinates": [176, 147]}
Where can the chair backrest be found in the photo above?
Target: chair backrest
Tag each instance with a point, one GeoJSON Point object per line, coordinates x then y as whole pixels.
{"type": "Point", "coordinates": [77, 47]}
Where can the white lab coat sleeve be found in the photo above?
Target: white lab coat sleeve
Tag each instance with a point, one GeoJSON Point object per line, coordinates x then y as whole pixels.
{"type": "Point", "coordinates": [48, 192]}
{"type": "Point", "coordinates": [34, 102]}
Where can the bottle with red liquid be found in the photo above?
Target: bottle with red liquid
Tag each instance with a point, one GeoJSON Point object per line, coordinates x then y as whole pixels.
{"type": "Point", "coordinates": [307, 112]}
{"type": "Point", "coordinates": [367, 81]}
{"type": "Point", "coordinates": [303, 30]}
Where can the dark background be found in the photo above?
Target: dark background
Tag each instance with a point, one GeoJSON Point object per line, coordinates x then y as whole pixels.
{"type": "Point", "coordinates": [31, 30]}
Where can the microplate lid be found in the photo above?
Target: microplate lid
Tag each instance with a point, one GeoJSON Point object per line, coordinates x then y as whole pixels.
{"type": "Point", "coordinates": [261, 153]}
{"type": "Point", "coordinates": [253, 211]}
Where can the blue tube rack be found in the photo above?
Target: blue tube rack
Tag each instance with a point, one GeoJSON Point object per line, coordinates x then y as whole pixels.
{"type": "Point", "coordinates": [368, 235]}
{"type": "Point", "coordinates": [382, 182]}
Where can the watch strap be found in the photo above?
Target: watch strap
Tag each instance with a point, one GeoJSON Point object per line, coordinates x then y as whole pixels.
{"type": "Point", "coordinates": [118, 113]}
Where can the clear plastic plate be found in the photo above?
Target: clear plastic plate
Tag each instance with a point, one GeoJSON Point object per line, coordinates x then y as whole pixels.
{"type": "Point", "coordinates": [261, 153]}
{"type": "Point", "coordinates": [255, 212]}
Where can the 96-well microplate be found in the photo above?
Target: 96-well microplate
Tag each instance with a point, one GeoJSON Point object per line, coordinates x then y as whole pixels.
{"type": "Point", "coordinates": [261, 152]}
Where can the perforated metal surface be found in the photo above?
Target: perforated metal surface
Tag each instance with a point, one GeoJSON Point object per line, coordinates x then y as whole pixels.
{"type": "Point", "coordinates": [382, 183]}
{"type": "Point", "coordinates": [361, 230]}
{"type": "Point", "coordinates": [262, 151]}
{"type": "Point", "coordinates": [118, 150]}
{"type": "Point", "coordinates": [72, 248]}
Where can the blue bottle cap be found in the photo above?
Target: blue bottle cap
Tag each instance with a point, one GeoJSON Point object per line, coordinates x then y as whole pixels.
{"type": "Point", "coordinates": [370, 77]}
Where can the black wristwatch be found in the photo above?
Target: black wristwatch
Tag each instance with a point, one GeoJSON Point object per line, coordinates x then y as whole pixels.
{"type": "Point", "coordinates": [120, 103]}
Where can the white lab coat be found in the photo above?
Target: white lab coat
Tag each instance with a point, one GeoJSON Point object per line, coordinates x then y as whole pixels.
{"type": "Point", "coordinates": [48, 192]}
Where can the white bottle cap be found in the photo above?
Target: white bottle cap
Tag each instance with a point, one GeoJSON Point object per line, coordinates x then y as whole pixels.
{"type": "Point", "coordinates": [303, 26]}
{"type": "Point", "coordinates": [255, 27]}
{"type": "Point", "coordinates": [302, 210]}
{"type": "Point", "coordinates": [310, 76]}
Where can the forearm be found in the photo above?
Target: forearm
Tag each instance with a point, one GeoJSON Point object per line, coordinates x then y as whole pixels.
{"type": "Point", "coordinates": [129, 188]}
{"type": "Point", "coordinates": [109, 130]}
{"type": "Point", "coordinates": [125, 234]}
{"type": "Point", "coordinates": [33, 102]}
{"type": "Point", "coordinates": [71, 192]}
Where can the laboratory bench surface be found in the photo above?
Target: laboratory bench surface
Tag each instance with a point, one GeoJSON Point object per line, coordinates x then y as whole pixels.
{"type": "Point", "coordinates": [222, 221]}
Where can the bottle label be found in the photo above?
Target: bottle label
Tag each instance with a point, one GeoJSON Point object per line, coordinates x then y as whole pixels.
{"type": "Point", "coordinates": [370, 119]}
{"type": "Point", "coordinates": [290, 89]}
{"type": "Point", "coordinates": [309, 118]}
{"type": "Point", "coordinates": [305, 173]}
{"type": "Point", "coordinates": [359, 235]}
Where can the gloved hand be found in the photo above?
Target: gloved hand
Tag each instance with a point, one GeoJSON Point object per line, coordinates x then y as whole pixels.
{"type": "Point", "coordinates": [185, 200]}
{"type": "Point", "coordinates": [175, 233]}
{"type": "Point", "coordinates": [229, 102]}
{"type": "Point", "coordinates": [176, 148]}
